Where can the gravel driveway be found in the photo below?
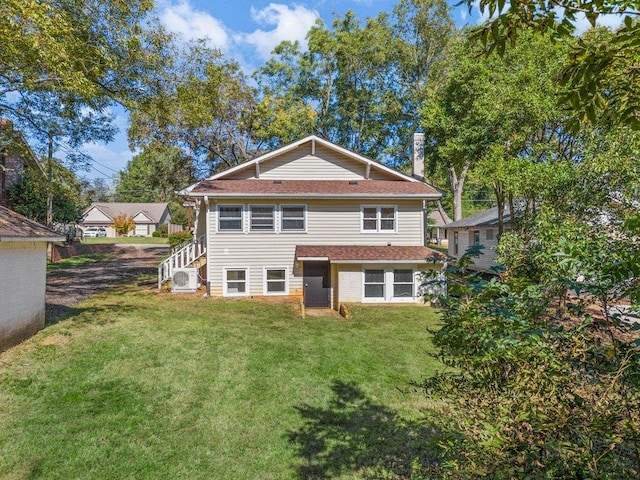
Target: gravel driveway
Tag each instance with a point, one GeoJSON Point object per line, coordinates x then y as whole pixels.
{"type": "Point", "coordinates": [69, 286]}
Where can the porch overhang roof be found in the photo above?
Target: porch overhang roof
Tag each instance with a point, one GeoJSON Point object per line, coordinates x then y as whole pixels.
{"type": "Point", "coordinates": [368, 254]}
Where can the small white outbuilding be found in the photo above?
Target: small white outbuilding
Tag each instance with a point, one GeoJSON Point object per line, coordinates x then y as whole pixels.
{"type": "Point", "coordinates": [23, 276]}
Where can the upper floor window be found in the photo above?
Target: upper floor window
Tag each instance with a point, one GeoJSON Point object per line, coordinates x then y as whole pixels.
{"type": "Point", "coordinates": [475, 237]}
{"type": "Point", "coordinates": [293, 218]}
{"type": "Point", "coordinates": [230, 218]}
{"type": "Point", "coordinates": [262, 218]}
{"type": "Point", "coordinates": [379, 219]}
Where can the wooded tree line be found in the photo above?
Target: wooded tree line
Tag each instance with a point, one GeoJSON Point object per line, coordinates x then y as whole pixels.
{"type": "Point", "coordinates": [517, 111]}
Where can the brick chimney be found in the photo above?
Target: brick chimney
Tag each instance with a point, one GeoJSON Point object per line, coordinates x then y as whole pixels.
{"type": "Point", "coordinates": [417, 152]}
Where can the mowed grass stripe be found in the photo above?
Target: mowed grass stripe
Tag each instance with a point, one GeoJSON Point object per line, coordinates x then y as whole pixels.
{"type": "Point", "coordinates": [147, 385]}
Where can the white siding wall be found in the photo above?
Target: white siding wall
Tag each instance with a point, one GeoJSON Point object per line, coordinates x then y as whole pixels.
{"type": "Point", "coordinates": [22, 290]}
{"type": "Point", "coordinates": [349, 283]}
{"type": "Point", "coordinates": [301, 164]}
{"type": "Point", "coordinates": [329, 222]}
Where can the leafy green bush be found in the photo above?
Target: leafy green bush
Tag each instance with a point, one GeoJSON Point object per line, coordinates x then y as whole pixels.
{"type": "Point", "coordinates": [162, 231]}
{"type": "Point", "coordinates": [544, 385]}
{"type": "Point", "coordinates": [176, 239]}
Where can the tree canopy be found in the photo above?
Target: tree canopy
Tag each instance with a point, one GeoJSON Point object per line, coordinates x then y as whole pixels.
{"type": "Point", "coordinates": [601, 77]}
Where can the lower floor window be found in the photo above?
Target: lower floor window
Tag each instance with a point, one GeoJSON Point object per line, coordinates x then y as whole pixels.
{"type": "Point", "coordinates": [235, 281]}
{"type": "Point", "coordinates": [403, 283]}
{"type": "Point", "coordinates": [275, 281]}
{"type": "Point", "coordinates": [374, 283]}
{"type": "Point", "coordinates": [389, 284]}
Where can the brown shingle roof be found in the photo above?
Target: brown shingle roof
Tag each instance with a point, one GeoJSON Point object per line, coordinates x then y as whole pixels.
{"type": "Point", "coordinates": [368, 253]}
{"type": "Point", "coordinates": [15, 227]}
{"type": "Point", "coordinates": [311, 188]}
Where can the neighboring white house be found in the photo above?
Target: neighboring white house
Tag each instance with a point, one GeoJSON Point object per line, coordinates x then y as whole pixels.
{"type": "Point", "coordinates": [481, 228]}
{"type": "Point", "coordinates": [23, 276]}
{"type": "Point", "coordinates": [312, 219]}
{"type": "Point", "coordinates": [438, 219]}
{"type": "Point", "coordinates": [147, 217]}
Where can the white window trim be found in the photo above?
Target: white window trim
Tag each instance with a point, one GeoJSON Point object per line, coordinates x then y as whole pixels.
{"type": "Point", "coordinates": [379, 219]}
{"type": "Point", "coordinates": [281, 219]}
{"type": "Point", "coordinates": [389, 283]}
{"type": "Point", "coordinates": [384, 285]}
{"type": "Point", "coordinates": [242, 222]}
{"type": "Point", "coordinates": [225, 292]}
{"type": "Point", "coordinates": [286, 281]}
{"type": "Point", "coordinates": [413, 287]}
{"type": "Point", "coordinates": [273, 217]}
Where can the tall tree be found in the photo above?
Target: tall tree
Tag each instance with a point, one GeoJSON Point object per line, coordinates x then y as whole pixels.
{"type": "Point", "coordinates": [363, 79]}
{"type": "Point", "coordinates": [154, 175]}
{"type": "Point", "coordinates": [487, 112]}
{"type": "Point", "coordinates": [29, 197]}
{"type": "Point", "coordinates": [63, 63]}
{"type": "Point", "coordinates": [199, 101]}
{"type": "Point", "coordinates": [601, 77]}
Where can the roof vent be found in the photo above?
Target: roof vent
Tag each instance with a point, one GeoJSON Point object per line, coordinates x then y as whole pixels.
{"type": "Point", "coordinates": [353, 182]}
{"type": "Point", "coordinates": [277, 182]}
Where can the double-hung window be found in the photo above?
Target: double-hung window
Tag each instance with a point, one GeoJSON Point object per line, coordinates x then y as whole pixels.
{"type": "Point", "coordinates": [403, 283]}
{"type": "Point", "coordinates": [235, 281]}
{"type": "Point", "coordinates": [379, 218]}
{"type": "Point", "coordinates": [293, 218]}
{"type": "Point", "coordinates": [275, 281]}
{"type": "Point", "coordinates": [262, 218]}
{"type": "Point", "coordinates": [230, 218]}
{"type": "Point", "coordinates": [374, 283]}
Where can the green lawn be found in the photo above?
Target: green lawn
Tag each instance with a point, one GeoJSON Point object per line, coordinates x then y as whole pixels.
{"type": "Point", "coordinates": [139, 384]}
{"type": "Point", "coordinates": [127, 240]}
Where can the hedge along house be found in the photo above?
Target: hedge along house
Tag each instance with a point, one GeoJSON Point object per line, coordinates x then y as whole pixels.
{"type": "Point", "coordinates": [313, 220]}
{"type": "Point", "coordinates": [147, 217]}
{"type": "Point", "coordinates": [23, 276]}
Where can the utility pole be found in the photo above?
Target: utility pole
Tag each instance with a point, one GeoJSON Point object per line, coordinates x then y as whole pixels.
{"type": "Point", "coordinates": [50, 182]}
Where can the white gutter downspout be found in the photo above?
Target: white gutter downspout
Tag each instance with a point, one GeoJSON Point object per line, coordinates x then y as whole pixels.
{"type": "Point", "coordinates": [206, 242]}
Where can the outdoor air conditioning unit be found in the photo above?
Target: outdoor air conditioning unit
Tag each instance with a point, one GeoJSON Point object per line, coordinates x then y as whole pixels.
{"type": "Point", "coordinates": [184, 280]}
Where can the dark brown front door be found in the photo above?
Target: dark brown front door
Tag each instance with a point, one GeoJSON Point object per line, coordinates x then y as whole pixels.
{"type": "Point", "coordinates": [317, 284]}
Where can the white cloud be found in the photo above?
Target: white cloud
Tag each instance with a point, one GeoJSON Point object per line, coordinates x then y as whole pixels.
{"type": "Point", "coordinates": [192, 24]}
{"type": "Point", "coordinates": [291, 23]}
{"type": "Point", "coordinates": [610, 21]}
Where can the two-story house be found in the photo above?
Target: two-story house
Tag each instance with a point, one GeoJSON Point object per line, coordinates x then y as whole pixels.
{"type": "Point", "coordinates": [313, 219]}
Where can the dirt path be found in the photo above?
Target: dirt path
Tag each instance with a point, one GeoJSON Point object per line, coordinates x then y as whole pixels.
{"type": "Point", "coordinates": [69, 286]}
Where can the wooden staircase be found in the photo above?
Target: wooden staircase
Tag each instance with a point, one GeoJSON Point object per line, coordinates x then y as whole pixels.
{"type": "Point", "coordinates": [193, 255]}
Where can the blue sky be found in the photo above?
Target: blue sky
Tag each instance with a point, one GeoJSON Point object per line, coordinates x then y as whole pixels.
{"type": "Point", "coordinates": [246, 31]}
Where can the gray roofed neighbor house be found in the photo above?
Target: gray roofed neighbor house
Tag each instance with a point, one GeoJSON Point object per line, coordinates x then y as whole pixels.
{"type": "Point", "coordinates": [486, 218]}
{"type": "Point", "coordinates": [15, 228]}
{"type": "Point", "coordinates": [152, 210]}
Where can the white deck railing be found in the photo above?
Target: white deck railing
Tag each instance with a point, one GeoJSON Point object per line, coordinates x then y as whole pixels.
{"type": "Point", "coordinates": [181, 259]}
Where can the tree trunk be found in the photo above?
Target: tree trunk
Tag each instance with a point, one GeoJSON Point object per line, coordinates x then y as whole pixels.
{"type": "Point", "coordinates": [498, 189]}
{"type": "Point", "coordinates": [457, 184]}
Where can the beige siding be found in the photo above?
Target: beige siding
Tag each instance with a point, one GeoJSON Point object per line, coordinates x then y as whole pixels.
{"type": "Point", "coordinates": [22, 290]}
{"type": "Point", "coordinates": [329, 222]}
{"type": "Point", "coordinates": [96, 216]}
{"type": "Point", "coordinates": [301, 164]}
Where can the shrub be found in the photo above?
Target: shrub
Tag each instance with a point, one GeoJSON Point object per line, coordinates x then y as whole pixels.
{"type": "Point", "coordinates": [123, 224]}
{"type": "Point", "coordinates": [179, 238]}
